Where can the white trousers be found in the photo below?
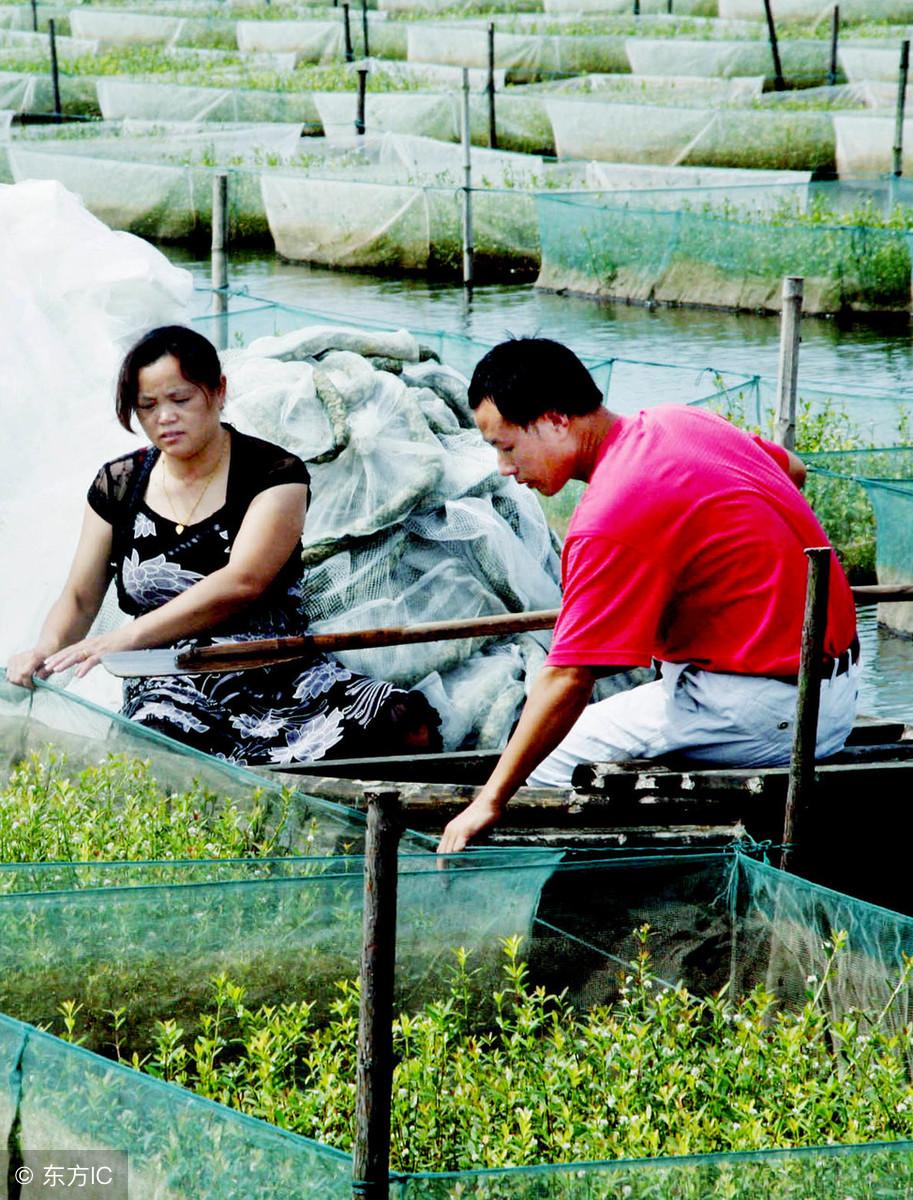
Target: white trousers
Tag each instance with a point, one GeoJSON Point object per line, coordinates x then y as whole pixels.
{"type": "Point", "coordinates": [735, 720]}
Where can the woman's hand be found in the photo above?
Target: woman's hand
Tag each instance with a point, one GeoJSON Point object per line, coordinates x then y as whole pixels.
{"type": "Point", "coordinates": [22, 666]}
{"type": "Point", "coordinates": [86, 654]}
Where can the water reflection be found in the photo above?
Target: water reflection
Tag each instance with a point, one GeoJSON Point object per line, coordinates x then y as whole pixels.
{"type": "Point", "coordinates": [887, 675]}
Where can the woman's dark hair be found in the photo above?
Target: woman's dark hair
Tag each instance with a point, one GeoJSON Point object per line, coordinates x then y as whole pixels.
{"type": "Point", "coordinates": [197, 357]}
{"type": "Point", "coordinates": [527, 377]}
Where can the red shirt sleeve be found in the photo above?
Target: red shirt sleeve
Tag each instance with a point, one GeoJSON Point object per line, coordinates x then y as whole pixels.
{"type": "Point", "coordinates": [612, 607]}
{"type": "Point", "coordinates": [777, 453]}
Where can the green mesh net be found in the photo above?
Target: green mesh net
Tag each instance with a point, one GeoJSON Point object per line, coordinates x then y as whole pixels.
{"type": "Point", "coordinates": [86, 734]}
{"type": "Point", "coordinates": [130, 940]}
{"type": "Point", "coordinates": [669, 248]}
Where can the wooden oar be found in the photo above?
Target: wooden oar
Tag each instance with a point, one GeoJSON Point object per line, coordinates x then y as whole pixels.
{"type": "Point", "coordinates": [265, 652]}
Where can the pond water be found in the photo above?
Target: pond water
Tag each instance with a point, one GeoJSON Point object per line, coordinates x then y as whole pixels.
{"type": "Point", "coordinates": [857, 354]}
{"type": "Point", "coordinates": [846, 355]}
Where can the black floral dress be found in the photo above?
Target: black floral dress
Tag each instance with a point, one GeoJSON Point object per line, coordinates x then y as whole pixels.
{"type": "Point", "coordinates": [294, 712]}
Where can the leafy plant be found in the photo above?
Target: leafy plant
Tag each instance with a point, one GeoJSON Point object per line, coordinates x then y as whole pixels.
{"type": "Point", "coordinates": [117, 810]}
{"type": "Point", "coordinates": [527, 1079]}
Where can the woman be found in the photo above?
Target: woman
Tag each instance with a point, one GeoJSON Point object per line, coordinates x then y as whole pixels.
{"type": "Point", "coordinates": [201, 533]}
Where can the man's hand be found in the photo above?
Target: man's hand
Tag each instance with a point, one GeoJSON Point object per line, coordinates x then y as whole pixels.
{"type": "Point", "coordinates": [478, 816]}
{"type": "Point", "coordinates": [556, 700]}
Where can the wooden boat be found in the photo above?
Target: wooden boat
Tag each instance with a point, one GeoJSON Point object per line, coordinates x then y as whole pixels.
{"type": "Point", "coordinates": [850, 836]}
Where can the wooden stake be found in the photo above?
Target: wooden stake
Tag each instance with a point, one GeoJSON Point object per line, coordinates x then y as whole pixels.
{"type": "Point", "coordinates": [779, 83]}
{"type": "Point", "coordinates": [374, 1080]}
{"type": "Point", "coordinates": [55, 73]}
{"type": "Point", "coordinates": [835, 34]}
{"type": "Point", "coordinates": [788, 367]}
{"type": "Point", "coordinates": [492, 124]}
{"type": "Point", "coordinates": [468, 253]}
{"type": "Point", "coordinates": [360, 111]}
{"type": "Point", "coordinates": [347, 34]}
{"type": "Point", "coordinates": [35, 15]}
{"type": "Point", "coordinates": [901, 104]}
{"type": "Point", "coordinates": [364, 26]}
{"type": "Point", "coordinates": [808, 697]}
{"type": "Point", "coordinates": [219, 222]}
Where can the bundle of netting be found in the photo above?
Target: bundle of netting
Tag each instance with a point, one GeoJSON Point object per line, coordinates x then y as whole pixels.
{"type": "Point", "coordinates": [410, 520]}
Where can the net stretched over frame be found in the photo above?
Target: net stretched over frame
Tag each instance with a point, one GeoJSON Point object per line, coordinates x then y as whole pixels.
{"type": "Point", "coordinates": [143, 939]}
{"type": "Point", "coordinates": [677, 249]}
{"type": "Point", "coordinates": [50, 720]}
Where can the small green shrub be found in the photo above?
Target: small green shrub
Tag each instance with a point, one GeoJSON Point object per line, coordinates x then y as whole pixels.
{"type": "Point", "coordinates": [117, 810]}
{"type": "Point", "coordinates": [659, 1072]}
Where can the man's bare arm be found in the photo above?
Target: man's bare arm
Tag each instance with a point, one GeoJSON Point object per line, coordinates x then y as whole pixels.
{"type": "Point", "coordinates": [556, 700]}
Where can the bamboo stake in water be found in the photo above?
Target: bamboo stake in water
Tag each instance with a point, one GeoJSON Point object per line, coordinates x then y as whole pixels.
{"type": "Point", "coordinates": [901, 104]}
{"type": "Point", "coordinates": [788, 367]}
{"type": "Point", "coordinates": [360, 111]}
{"type": "Point", "coordinates": [55, 73]}
{"type": "Point", "coordinates": [492, 123]}
{"type": "Point", "coordinates": [808, 698]}
{"type": "Point", "coordinates": [374, 1080]}
{"type": "Point", "coordinates": [835, 34]}
{"type": "Point", "coordinates": [218, 262]}
{"type": "Point", "coordinates": [779, 83]}
{"type": "Point", "coordinates": [468, 252]}
{"type": "Point", "coordinates": [347, 34]}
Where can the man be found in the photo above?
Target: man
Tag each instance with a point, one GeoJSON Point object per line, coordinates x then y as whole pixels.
{"type": "Point", "coordinates": [686, 549]}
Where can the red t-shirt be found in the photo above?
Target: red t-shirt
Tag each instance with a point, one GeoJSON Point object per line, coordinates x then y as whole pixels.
{"type": "Point", "coordinates": [687, 546]}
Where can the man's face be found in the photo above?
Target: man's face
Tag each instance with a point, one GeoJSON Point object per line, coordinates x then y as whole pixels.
{"type": "Point", "coordinates": [540, 456]}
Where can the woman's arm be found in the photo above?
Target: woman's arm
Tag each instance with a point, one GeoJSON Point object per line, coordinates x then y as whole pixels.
{"type": "Point", "coordinates": [269, 533]}
{"type": "Point", "coordinates": [77, 605]}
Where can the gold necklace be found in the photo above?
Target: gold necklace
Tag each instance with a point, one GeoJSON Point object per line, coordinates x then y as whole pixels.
{"type": "Point", "coordinates": [180, 525]}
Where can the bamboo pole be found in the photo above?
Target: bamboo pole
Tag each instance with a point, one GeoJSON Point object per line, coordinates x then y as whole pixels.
{"type": "Point", "coordinates": [492, 122]}
{"type": "Point", "coordinates": [347, 34]}
{"type": "Point", "coordinates": [364, 26]}
{"type": "Point", "coordinates": [901, 104]}
{"type": "Point", "coordinates": [55, 71]}
{"type": "Point", "coordinates": [374, 1080]}
{"type": "Point", "coordinates": [219, 273]}
{"type": "Point", "coordinates": [808, 697]}
{"type": "Point", "coordinates": [779, 83]}
{"type": "Point", "coordinates": [788, 366]}
{"type": "Point", "coordinates": [360, 110]}
{"type": "Point", "coordinates": [218, 260]}
{"type": "Point", "coordinates": [835, 34]}
{"type": "Point", "coordinates": [35, 15]}
{"type": "Point", "coordinates": [468, 252]}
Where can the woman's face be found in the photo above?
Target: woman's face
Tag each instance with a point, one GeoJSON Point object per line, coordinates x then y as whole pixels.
{"type": "Point", "coordinates": [177, 416]}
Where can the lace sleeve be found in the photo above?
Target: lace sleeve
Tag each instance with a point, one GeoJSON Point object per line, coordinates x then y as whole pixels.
{"type": "Point", "coordinates": [110, 487]}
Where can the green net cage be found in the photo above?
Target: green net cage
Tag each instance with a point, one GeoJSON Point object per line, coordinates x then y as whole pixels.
{"type": "Point", "coordinates": [127, 954]}
{"type": "Point", "coordinates": [621, 246]}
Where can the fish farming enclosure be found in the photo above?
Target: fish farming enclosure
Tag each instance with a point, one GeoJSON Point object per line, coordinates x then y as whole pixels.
{"type": "Point", "coordinates": [634, 1002]}
{"type": "Point", "coordinates": [616, 150]}
{"type": "Point", "coordinates": [191, 1021]}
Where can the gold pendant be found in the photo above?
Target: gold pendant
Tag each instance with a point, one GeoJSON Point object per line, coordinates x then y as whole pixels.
{"type": "Point", "coordinates": [179, 528]}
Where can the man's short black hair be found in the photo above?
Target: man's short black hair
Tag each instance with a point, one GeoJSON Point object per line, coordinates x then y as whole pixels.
{"type": "Point", "coordinates": [527, 377]}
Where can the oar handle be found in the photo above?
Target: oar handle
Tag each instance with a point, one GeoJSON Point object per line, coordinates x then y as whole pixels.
{"type": "Point", "coordinates": [265, 651]}
{"type": "Point", "coordinates": [270, 651]}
